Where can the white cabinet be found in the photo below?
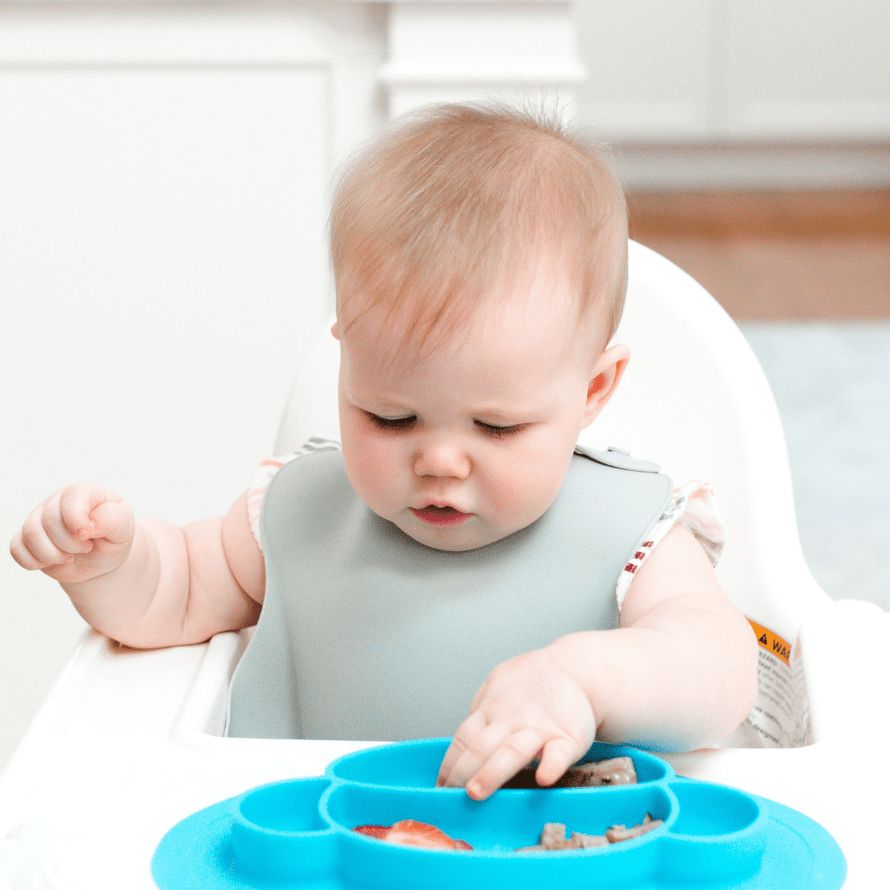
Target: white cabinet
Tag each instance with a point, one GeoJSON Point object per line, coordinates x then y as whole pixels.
{"type": "Point", "coordinates": [455, 50]}
{"type": "Point", "coordinates": [736, 70]}
{"type": "Point", "coordinates": [808, 69]}
{"type": "Point", "coordinates": [649, 68]}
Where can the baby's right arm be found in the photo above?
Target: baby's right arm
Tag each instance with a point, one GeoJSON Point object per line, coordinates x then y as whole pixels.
{"type": "Point", "coordinates": [145, 583]}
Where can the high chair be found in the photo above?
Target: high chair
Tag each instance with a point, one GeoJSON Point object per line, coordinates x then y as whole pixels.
{"type": "Point", "coordinates": [129, 742]}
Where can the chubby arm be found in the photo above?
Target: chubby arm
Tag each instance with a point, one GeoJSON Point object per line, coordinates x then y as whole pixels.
{"type": "Point", "coordinates": [683, 661]}
{"type": "Point", "coordinates": [145, 583]}
{"type": "Point", "coordinates": [679, 673]}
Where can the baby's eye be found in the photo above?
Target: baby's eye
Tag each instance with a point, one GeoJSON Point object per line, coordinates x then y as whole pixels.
{"type": "Point", "coordinates": [392, 423]}
{"type": "Point", "coordinates": [499, 432]}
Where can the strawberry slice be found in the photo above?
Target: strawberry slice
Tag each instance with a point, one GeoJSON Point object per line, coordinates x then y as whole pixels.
{"type": "Point", "coordinates": [414, 834]}
{"type": "Point", "coordinates": [378, 831]}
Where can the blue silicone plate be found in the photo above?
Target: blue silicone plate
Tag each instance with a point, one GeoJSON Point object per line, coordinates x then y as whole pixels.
{"type": "Point", "coordinates": [297, 833]}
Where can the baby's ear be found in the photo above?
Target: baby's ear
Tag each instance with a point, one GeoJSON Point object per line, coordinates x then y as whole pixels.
{"type": "Point", "coordinates": [604, 379]}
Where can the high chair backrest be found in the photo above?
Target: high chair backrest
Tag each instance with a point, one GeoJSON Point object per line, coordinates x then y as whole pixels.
{"type": "Point", "coordinates": [694, 398]}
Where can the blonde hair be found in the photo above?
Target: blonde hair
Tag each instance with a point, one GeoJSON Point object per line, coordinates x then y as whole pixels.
{"type": "Point", "coordinates": [452, 200]}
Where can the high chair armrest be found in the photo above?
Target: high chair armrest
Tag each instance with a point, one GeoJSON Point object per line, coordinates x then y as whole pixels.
{"type": "Point", "coordinates": [132, 732]}
{"type": "Point", "coordinates": [845, 647]}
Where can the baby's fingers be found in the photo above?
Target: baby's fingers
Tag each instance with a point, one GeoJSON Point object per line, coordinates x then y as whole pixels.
{"type": "Point", "coordinates": [515, 751]}
{"type": "Point", "coordinates": [467, 745]}
{"type": "Point", "coordinates": [558, 755]}
{"type": "Point", "coordinates": [67, 524]}
{"type": "Point", "coordinates": [93, 513]}
{"type": "Point", "coordinates": [34, 551]}
{"type": "Point", "coordinates": [489, 757]}
{"type": "Point", "coordinates": [44, 539]}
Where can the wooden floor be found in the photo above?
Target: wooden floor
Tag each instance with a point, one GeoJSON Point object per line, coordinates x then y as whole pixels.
{"type": "Point", "coordinates": [779, 254]}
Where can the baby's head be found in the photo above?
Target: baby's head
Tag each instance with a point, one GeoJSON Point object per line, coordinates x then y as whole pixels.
{"type": "Point", "coordinates": [453, 202]}
{"type": "Point", "coordinates": [479, 255]}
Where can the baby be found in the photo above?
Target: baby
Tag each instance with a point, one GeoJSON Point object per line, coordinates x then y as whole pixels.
{"type": "Point", "coordinates": [459, 538]}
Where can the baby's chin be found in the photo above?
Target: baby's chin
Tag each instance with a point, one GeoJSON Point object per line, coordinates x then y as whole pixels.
{"type": "Point", "coordinates": [470, 535]}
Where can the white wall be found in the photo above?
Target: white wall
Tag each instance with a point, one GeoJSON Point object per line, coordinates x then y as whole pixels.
{"type": "Point", "coordinates": [164, 173]}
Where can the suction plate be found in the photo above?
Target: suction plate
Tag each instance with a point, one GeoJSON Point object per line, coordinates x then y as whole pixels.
{"type": "Point", "coordinates": [297, 833]}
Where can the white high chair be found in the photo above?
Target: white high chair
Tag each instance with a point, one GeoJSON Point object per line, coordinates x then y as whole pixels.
{"type": "Point", "coordinates": [128, 742]}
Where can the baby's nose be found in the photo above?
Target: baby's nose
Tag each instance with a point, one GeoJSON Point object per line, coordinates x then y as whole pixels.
{"type": "Point", "coordinates": [442, 459]}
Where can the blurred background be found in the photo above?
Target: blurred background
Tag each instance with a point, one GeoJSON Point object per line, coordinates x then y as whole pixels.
{"type": "Point", "coordinates": [163, 184]}
{"type": "Point", "coordinates": [755, 142]}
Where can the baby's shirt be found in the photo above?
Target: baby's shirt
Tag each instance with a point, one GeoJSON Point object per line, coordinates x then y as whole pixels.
{"type": "Point", "coordinates": [367, 634]}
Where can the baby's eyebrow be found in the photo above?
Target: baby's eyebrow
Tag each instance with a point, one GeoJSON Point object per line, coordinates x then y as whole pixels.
{"type": "Point", "coordinates": [384, 406]}
{"type": "Point", "coordinates": [505, 419]}
{"type": "Point", "coordinates": [498, 416]}
{"type": "Point", "coordinates": [508, 410]}
{"type": "Point", "coordinates": [369, 399]}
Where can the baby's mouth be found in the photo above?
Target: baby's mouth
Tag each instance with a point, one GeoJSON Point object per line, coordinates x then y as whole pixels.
{"type": "Point", "coordinates": [440, 515]}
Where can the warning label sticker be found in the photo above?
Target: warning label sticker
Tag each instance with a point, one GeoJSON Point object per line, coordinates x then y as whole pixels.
{"type": "Point", "coordinates": [772, 642]}
{"type": "Point", "coordinates": [781, 715]}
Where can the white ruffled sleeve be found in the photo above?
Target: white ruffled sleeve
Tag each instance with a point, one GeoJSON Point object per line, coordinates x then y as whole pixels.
{"type": "Point", "coordinates": [266, 471]}
{"type": "Point", "coordinates": [693, 506]}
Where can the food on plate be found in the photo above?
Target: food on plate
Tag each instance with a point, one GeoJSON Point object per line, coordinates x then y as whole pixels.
{"type": "Point", "coordinates": [378, 831]}
{"type": "Point", "coordinates": [618, 833]}
{"type": "Point", "coordinates": [615, 771]}
{"type": "Point", "coordinates": [553, 836]}
{"type": "Point", "coordinates": [413, 834]}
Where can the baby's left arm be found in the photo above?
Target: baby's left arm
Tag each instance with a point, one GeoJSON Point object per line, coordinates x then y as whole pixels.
{"type": "Point", "coordinates": [679, 673]}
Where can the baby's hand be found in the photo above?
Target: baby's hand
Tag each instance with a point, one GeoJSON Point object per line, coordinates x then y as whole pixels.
{"type": "Point", "coordinates": [79, 533]}
{"type": "Point", "coordinates": [529, 706]}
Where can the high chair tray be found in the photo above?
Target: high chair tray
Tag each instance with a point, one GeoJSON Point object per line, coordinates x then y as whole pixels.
{"type": "Point", "coordinates": [298, 833]}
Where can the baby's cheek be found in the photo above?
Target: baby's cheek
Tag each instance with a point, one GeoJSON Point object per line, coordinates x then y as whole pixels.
{"type": "Point", "coordinates": [517, 496]}
{"type": "Point", "coordinates": [531, 487]}
{"type": "Point", "coordinates": [372, 472]}
{"type": "Point", "coordinates": [357, 461]}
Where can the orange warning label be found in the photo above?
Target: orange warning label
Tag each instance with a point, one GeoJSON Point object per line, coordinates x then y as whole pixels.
{"type": "Point", "coordinates": [771, 642]}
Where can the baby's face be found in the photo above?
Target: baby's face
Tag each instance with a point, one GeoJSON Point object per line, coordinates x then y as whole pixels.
{"type": "Point", "coordinates": [469, 443]}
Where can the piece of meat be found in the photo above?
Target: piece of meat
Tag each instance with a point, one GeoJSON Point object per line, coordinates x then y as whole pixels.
{"type": "Point", "coordinates": [618, 833]}
{"type": "Point", "coordinates": [413, 834]}
{"type": "Point", "coordinates": [615, 771]}
{"type": "Point", "coordinates": [553, 836]}
{"type": "Point", "coordinates": [587, 841]}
